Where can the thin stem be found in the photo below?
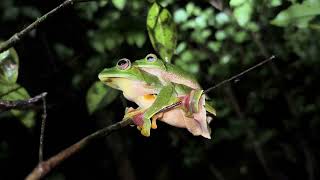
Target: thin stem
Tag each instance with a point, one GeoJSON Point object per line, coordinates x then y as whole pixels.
{"type": "Point", "coordinates": [43, 125]}
{"type": "Point", "coordinates": [20, 104]}
{"type": "Point", "coordinates": [18, 36]}
{"type": "Point", "coordinates": [239, 75]}
{"type": "Point", "coordinates": [44, 167]}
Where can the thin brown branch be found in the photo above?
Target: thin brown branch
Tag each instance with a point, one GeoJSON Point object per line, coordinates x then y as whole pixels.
{"type": "Point", "coordinates": [21, 104]}
{"type": "Point", "coordinates": [18, 36]}
{"type": "Point", "coordinates": [44, 167]}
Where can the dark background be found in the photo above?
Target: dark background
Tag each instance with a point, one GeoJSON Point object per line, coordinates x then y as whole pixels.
{"type": "Point", "coordinates": [267, 123]}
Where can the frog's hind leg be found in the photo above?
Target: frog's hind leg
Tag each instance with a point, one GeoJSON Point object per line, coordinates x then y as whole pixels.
{"type": "Point", "coordinates": [165, 97]}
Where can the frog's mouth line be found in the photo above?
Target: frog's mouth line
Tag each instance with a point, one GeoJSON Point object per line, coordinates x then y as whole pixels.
{"type": "Point", "coordinates": [112, 85]}
{"type": "Point", "coordinates": [109, 82]}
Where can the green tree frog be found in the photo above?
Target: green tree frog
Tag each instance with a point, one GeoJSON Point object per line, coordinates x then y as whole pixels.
{"type": "Point", "coordinates": [153, 93]}
{"type": "Point", "coordinates": [169, 73]}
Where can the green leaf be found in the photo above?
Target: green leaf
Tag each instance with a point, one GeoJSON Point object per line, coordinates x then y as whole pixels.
{"type": "Point", "coordinates": [162, 31]}
{"type": "Point", "coordinates": [99, 96]}
{"type": "Point", "coordinates": [119, 4]}
{"type": "Point", "coordinates": [9, 65]}
{"type": "Point", "coordinates": [275, 3]}
{"type": "Point", "coordinates": [180, 16]}
{"type": "Point", "coordinates": [214, 46]}
{"type": "Point", "coordinates": [136, 37]}
{"type": "Point", "coordinates": [13, 92]}
{"type": "Point", "coordinates": [220, 35]}
{"type": "Point", "coordinates": [222, 18]}
{"type": "Point", "coordinates": [240, 37]}
{"type": "Point", "coordinates": [297, 14]}
{"type": "Point", "coordinates": [243, 13]}
{"type": "Point", "coordinates": [234, 3]}
{"type": "Point", "coordinates": [181, 47]}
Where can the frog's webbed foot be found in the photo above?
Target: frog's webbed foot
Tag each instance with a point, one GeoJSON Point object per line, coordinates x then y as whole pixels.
{"type": "Point", "coordinates": [137, 116]}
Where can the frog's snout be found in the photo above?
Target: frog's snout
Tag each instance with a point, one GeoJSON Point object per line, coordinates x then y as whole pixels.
{"type": "Point", "coordinates": [104, 79]}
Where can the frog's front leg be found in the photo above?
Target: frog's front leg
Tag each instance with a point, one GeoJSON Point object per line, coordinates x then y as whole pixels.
{"type": "Point", "coordinates": [191, 101]}
{"type": "Point", "coordinates": [135, 115]}
{"type": "Point", "coordinates": [164, 98]}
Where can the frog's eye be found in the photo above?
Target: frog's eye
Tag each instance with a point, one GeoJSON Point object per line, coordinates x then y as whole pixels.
{"type": "Point", "coordinates": [151, 57]}
{"type": "Point", "coordinates": [124, 63]}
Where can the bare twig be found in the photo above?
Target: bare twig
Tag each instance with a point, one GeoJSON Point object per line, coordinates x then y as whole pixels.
{"type": "Point", "coordinates": [43, 125]}
{"type": "Point", "coordinates": [18, 36]}
{"type": "Point", "coordinates": [239, 75]}
{"type": "Point", "coordinates": [21, 104]}
{"type": "Point", "coordinates": [44, 167]}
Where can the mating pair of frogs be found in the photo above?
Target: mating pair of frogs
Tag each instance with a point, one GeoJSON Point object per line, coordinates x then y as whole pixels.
{"type": "Point", "coordinates": [153, 85]}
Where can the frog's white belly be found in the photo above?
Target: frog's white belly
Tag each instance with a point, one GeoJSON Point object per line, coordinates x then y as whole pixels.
{"type": "Point", "coordinates": [136, 91]}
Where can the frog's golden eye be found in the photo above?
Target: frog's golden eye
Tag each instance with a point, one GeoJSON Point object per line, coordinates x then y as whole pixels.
{"type": "Point", "coordinates": [124, 63]}
{"type": "Point", "coordinates": [151, 57]}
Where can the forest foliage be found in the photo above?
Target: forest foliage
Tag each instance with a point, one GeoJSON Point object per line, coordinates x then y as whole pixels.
{"type": "Point", "coordinates": [267, 122]}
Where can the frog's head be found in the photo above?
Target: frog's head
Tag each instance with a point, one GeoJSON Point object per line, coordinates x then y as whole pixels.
{"type": "Point", "coordinates": [122, 71]}
{"type": "Point", "coordinates": [151, 61]}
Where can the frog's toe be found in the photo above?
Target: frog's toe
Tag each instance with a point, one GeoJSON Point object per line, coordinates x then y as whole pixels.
{"type": "Point", "coordinates": [154, 124]}
{"type": "Point", "coordinates": [145, 132]}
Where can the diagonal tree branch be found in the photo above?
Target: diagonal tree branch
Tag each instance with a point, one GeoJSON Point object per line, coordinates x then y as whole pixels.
{"type": "Point", "coordinates": [18, 36]}
{"type": "Point", "coordinates": [44, 167]}
{"type": "Point", "coordinates": [21, 104]}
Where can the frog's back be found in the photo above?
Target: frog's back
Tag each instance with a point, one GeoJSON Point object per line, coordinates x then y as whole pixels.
{"type": "Point", "coordinates": [179, 76]}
